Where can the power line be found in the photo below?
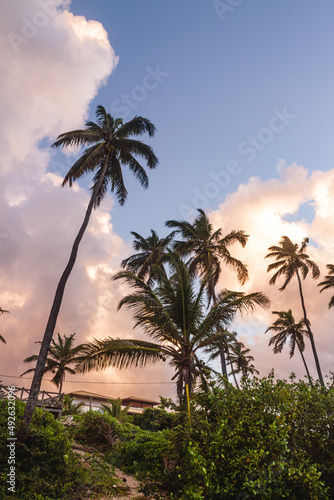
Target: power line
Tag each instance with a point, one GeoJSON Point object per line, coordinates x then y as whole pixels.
{"type": "Point", "coordinates": [89, 382]}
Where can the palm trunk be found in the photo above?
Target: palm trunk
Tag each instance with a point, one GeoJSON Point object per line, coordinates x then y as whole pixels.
{"type": "Point", "coordinates": [223, 362]}
{"type": "Point", "coordinates": [233, 372]}
{"type": "Point", "coordinates": [39, 370]}
{"type": "Point", "coordinates": [306, 368]}
{"type": "Point", "coordinates": [315, 354]}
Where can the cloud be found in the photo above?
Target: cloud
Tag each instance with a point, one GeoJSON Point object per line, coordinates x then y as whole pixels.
{"type": "Point", "coordinates": [267, 210]}
{"type": "Point", "coordinates": [53, 65]}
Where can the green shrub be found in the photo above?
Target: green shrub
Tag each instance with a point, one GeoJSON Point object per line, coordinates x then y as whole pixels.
{"type": "Point", "coordinates": [97, 429]}
{"type": "Point", "coordinates": [45, 466]}
{"type": "Point", "coordinates": [154, 419]}
{"type": "Point", "coordinates": [266, 441]}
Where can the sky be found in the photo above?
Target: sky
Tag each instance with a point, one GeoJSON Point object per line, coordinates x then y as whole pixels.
{"type": "Point", "coordinates": [241, 96]}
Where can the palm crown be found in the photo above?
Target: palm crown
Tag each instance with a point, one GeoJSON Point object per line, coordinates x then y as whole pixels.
{"type": "Point", "coordinates": [290, 259]}
{"type": "Point", "coordinates": [110, 147]}
{"type": "Point", "coordinates": [288, 331]}
{"type": "Point", "coordinates": [207, 247]}
{"type": "Point", "coordinates": [61, 355]}
{"type": "Point", "coordinates": [328, 283]}
{"type": "Point", "coordinates": [174, 315]}
{"type": "Point", "coordinates": [152, 251]}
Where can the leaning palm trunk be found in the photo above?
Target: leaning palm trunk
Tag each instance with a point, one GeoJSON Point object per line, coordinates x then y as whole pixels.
{"type": "Point", "coordinates": [315, 354]}
{"type": "Point", "coordinates": [305, 365]}
{"type": "Point", "coordinates": [39, 370]}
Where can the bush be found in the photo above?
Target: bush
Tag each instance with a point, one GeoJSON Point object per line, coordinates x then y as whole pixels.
{"type": "Point", "coordinates": [266, 441]}
{"type": "Point", "coordinates": [154, 419]}
{"type": "Point", "coordinates": [45, 466]}
{"type": "Point", "coordinates": [97, 429]}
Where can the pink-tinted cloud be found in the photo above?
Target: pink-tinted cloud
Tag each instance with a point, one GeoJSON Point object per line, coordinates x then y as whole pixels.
{"type": "Point", "coordinates": [262, 209]}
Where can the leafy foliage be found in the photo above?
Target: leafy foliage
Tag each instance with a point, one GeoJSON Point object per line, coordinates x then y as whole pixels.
{"type": "Point", "coordinates": [266, 441]}
{"type": "Point", "coordinates": [62, 354]}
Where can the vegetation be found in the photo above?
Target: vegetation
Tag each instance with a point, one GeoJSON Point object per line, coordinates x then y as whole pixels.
{"type": "Point", "coordinates": [328, 283]}
{"type": "Point", "coordinates": [291, 260]}
{"type": "Point", "coordinates": [45, 465]}
{"type": "Point", "coordinates": [61, 355]}
{"type": "Point", "coordinates": [115, 409]}
{"type": "Point", "coordinates": [173, 314]}
{"type": "Point", "coordinates": [110, 146]}
{"type": "Point", "coordinates": [287, 330]}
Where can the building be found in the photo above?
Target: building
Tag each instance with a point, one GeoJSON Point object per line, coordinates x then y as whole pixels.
{"type": "Point", "coordinates": [93, 401]}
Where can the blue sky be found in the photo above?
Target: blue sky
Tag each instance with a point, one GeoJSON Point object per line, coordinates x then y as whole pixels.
{"type": "Point", "coordinates": [221, 78]}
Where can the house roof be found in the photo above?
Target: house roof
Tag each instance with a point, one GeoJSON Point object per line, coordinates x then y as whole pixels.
{"type": "Point", "coordinates": [86, 394]}
{"type": "Point", "coordinates": [141, 400]}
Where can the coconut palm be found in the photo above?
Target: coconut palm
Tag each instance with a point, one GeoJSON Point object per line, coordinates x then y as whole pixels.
{"type": "Point", "coordinates": [328, 283]}
{"type": "Point", "coordinates": [61, 355]}
{"type": "Point", "coordinates": [110, 145]}
{"type": "Point", "coordinates": [151, 251]}
{"type": "Point", "coordinates": [221, 347]}
{"type": "Point", "coordinates": [2, 311]}
{"type": "Point", "coordinates": [174, 315]}
{"type": "Point", "coordinates": [291, 260]}
{"type": "Point", "coordinates": [241, 358]}
{"type": "Point", "coordinates": [115, 409]}
{"type": "Point", "coordinates": [207, 249]}
{"type": "Point", "coordinates": [288, 331]}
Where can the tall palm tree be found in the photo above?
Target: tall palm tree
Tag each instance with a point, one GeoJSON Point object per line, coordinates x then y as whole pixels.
{"type": "Point", "coordinates": [241, 358]}
{"type": "Point", "coordinates": [110, 146]}
{"type": "Point", "coordinates": [151, 251]}
{"type": "Point", "coordinates": [174, 315]}
{"type": "Point", "coordinates": [61, 355]}
{"type": "Point", "coordinates": [328, 283]}
{"type": "Point", "coordinates": [2, 311]}
{"type": "Point", "coordinates": [288, 331]}
{"type": "Point", "coordinates": [291, 260]}
{"type": "Point", "coordinates": [207, 249]}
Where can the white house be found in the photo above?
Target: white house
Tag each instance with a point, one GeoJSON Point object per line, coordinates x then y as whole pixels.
{"type": "Point", "coordinates": [93, 401]}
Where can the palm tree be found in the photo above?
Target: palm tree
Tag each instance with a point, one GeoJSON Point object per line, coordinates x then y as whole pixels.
{"type": "Point", "coordinates": [291, 260]}
{"type": "Point", "coordinates": [115, 409]}
{"type": "Point", "coordinates": [2, 311]}
{"type": "Point", "coordinates": [70, 408]}
{"type": "Point", "coordinates": [110, 146]}
{"type": "Point", "coordinates": [241, 358]}
{"type": "Point", "coordinates": [173, 314]}
{"type": "Point", "coordinates": [151, 251]}
{"type": "Point", "coordinates": [207, 249]}
{"type": "Point", "coordinates": [61, 355]}
{"type": "Point", "coordinates": [288, 331]}
{"type": "Point", "coordinates": [221, 347]}
{"type": "Point", "coordinates": [328, 283]}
